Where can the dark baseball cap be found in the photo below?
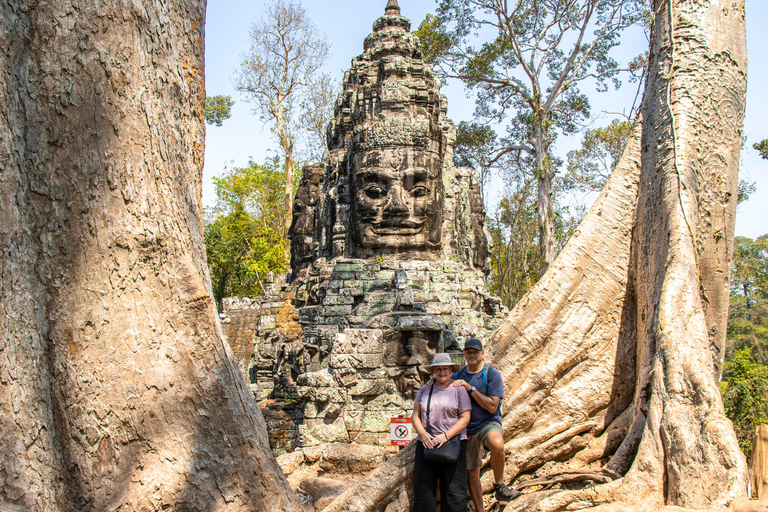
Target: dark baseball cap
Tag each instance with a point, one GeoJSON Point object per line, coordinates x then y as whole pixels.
{"type": "Point", "coordinates": [473, 343]}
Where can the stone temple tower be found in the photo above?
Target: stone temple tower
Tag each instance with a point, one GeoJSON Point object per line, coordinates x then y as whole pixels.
{"type": "Point", "coordinates": [388, 259]}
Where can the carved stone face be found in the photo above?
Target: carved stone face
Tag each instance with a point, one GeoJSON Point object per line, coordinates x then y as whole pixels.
{"type": "Point", "coordinates": [396, 199]}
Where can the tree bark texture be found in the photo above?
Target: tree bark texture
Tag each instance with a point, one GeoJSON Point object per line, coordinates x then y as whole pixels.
{"type": "Point", "coordinates": [117, 391]}
{"type": "Point", "coordinates": [613, 359]}
{"type": "Point", "coordinates": [759, 463]}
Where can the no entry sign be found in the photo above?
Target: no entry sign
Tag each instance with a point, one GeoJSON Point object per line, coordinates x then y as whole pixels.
{"type": "Point", "coordinates": [400, 430]}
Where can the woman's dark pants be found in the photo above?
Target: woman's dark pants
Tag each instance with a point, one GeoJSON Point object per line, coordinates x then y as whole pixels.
{"type": "Point", "coordinates": [452, 478]}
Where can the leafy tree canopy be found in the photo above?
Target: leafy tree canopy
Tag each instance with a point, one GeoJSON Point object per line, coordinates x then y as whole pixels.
{"type": "Point", "coordinates": [749, 272]}
{"type": "Point", "coordinates": [218, 109]}
{"type": "Point", "coordinates": [745, 386]}
{"type": "Point", "coordinates": [745, 395]}
{"type": "Point", "coordinates": [525, 61]}
{"type": "Point", "coordinates": [280, 75]}
{"type": "Point", "coordinates": [590, 166]}
{"type": "Point", "coordinates": [762, 147]}
{"type": "Point", "coordinates": [244, 232]}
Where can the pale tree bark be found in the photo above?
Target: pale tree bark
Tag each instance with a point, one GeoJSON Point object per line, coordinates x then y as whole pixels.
{"type": "Point", "coordinates": [117, 391]}
{"type": "Point", "coordinates": [613, 359]}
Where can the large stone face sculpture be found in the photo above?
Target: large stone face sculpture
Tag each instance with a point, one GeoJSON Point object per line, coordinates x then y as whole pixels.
{"type": "Point", "coordinates": [397, 200]}
{"type": "Point", "coordinates": [388, 260]}
{"type": "Point", "coordinates": [390, 187]}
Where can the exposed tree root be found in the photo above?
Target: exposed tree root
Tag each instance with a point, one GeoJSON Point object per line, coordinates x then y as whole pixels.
{"type": "Point", "coordinates": [613, 359]}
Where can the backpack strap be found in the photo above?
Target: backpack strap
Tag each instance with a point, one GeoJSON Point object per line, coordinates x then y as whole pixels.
{"type": "Point", "coordinates": [429, 401]}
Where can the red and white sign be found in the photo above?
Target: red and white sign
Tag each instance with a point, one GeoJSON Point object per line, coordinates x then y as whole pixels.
{"type": "Point", "coordinates": [401, 430]}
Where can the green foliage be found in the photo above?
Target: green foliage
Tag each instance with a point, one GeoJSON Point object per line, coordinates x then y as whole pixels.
{"type": "Point", "coordinates": [748, 329]}
{"type": "Point", "coordinates": [762, 147]}
{"type": "Point", "coordinates": [590, 166]}
{"type": "Point", "coordinates": [520, 60]}
{"type": "Point", "coordinates": [435, 40]}
{"type": "Point", "coordinates": [749, 269]}
{"type": "Point", "coordinates": [745, 395]}
{"type": "Point", "coordinates": [218, 109]}
{"type": "Point", "coordinates": [746, 189]}
{"type": "Point", "coordinates": [515, 256]}
{"type": "Point", "coordinates": [244, 232]}
{"type": "Point", "coordinates": [474, 144]}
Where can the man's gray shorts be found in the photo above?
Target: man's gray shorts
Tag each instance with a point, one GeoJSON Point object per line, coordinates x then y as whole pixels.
{"type": "Point", "coordinates": [476, 447]}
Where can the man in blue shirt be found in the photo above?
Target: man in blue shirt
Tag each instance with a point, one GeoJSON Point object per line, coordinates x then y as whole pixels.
{"type": "Point", "coordinates": [486, 389]}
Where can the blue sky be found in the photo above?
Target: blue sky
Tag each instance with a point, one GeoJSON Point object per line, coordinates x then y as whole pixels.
{"type": "Point", "coordinates": [346, 23]}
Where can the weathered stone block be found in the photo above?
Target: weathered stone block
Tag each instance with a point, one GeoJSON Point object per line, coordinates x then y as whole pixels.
{"type": "Point", "coordinates": [322, 378]}
{"type": "Point", "coordinates": [311, 314]}
{"type": "Point", "coordinates": [361, 341]}
{"type": "Point", "coordinates": [451, 287]}
{"type": "Point", "coordinates": [419, 284]}
{"type": "Point", "coordinates": [356, 360]}
{"type": "Point", "coordinates": [369, 387]}
{"type": "Point", "coordinates": [389, 400]}
{"type": "Point", "coordinates": [330, 311]}
{"type": "Point", "coordinates": [288, 462]}
{"type": "Point", "coordinates": [345, 276]}
{"type": "Point", "coordinates": [338, 300]}
{"type": "Point", "coordinates": [421, 296]}
{"type": "Point", "coordinates": [378, 284]}
{"type": "Point", "coordinates": [420, 323]}
{"type": "Point", "coordinates": [353, 289]}
{"type": "Point", "coordinates": [437, 308]}
{"type": "Point", "coordinates": [352, 458]}
{"type": "Point", "coordinates": [347, 267]}
{"type": "Point", "coordinates": [346, 377]}
{"type": "Point", "coordinates": [325, 431]}
{"type": "Point", "coordinates": [376, 421]}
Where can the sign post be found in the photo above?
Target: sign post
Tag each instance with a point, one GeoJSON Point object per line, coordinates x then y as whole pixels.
{"type": "Point", "coordinates": [401, 431]}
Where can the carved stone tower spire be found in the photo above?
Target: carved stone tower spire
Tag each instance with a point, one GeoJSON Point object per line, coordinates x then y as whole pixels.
{"type": "Point", "coordinates": [392, 8]}
{"type": "Point", "coordinates": [389, 187]}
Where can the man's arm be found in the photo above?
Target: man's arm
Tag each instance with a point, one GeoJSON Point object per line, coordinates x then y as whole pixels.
{"type": "Point", "coordinates": [489, 403]}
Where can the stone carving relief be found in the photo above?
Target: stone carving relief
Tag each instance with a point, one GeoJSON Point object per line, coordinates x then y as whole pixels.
{"type": "Point", "coordinates": [397, 200]}
{"type": "Point", "coordinates": [388, 258]}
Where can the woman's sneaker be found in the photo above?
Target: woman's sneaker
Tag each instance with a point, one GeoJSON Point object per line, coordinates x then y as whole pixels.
{"type": "Point", "coordinates": [504, 493]}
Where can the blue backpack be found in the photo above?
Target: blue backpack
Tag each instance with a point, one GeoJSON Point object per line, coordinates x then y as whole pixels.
{"type": "Point", "coordinates": [484, 375]}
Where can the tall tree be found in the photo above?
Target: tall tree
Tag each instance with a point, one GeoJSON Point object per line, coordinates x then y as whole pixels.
{"type": "Point", "coordinates": [515, 256]}
{"type": "Point", "coordinates": [117, 389]}
{"type": "Point", "coordinates": [277, 72]}
{"type": "Point", "coordinates": [474, 147]}
{"type": "Point", "coordinates": [316, 112]}
{"type": "Point", "coordinates": [590, 166]}
{"type": "Point", "coordinates": [749, 275]}
{"type": "Point", "coordinates": [244, 232]}
{"type": "Point", "coordinates": [745, 396]}
{"type": "Point", "coordinates": [532, 69]}
{"type": "Point", "coordinates": [612, 360]}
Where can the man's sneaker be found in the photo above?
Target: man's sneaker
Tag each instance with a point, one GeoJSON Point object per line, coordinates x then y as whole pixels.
{"type": "Point", "coordinates": [504, 493]}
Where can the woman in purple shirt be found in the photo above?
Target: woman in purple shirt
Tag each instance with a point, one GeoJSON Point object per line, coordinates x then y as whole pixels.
{"type": "Point", "coordinates": [449, 409]}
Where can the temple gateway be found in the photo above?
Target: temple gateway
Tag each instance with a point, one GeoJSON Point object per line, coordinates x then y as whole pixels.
{"type": "Point", "coordinates": [388, 260]}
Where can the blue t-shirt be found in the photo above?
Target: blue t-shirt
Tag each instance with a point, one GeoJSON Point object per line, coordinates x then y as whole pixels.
{"type": "Point", "coordinates": [480, 417]}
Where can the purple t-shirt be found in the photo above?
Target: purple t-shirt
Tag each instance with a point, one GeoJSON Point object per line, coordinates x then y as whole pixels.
{"type": "Point", "coordinates": [445, 408]}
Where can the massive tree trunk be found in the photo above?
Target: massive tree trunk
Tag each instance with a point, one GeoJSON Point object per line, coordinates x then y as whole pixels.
{"type": "Point", "coordinates": [117, 391]}
{"type": "Point", "coordinates": [613, 359]}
